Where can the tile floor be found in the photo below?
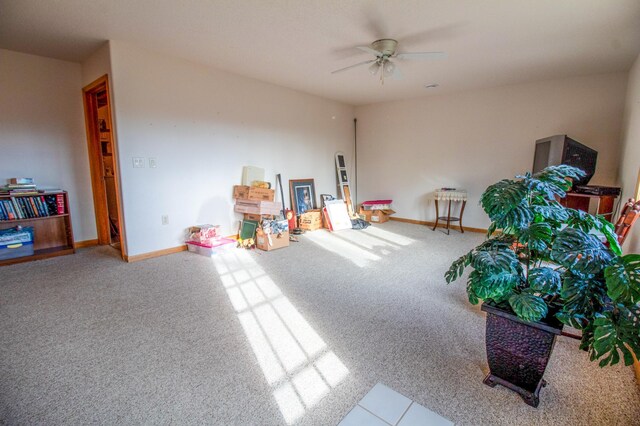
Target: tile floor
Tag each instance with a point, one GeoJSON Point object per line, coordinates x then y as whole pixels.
{"type": "Point", "coordinates": [382, 406]}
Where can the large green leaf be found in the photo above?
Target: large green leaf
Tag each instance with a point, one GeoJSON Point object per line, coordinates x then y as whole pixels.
{"type": "Point", "coordinates": [613, 333]}
{"type": "Point", "coordinates": [492, 286]}
{"type": "Point", "coordinates": [537, 236]}
{"type": "Point", "coordinates": [505, 203]}
{"type": "Point", "coordinates": [487, 261]}
{"type": "Point", "coordinates": [544, 280]}
{"type": "Point", "coordinates": [517, 218]}
{"type": "Point", "coordinates": [471, 294]}
{"type": "Point", "coordinates": [582, 296]}
{"type": "Point", "coordinates": [587, 222]}
{"type": "Point", "coordinates": [457, 268]}
{"type": "Point", "coordinates": [552, 211]}
{"type": "Point", "coordinates": [575, 320]}
{"type": "Point", "coordinates": [623, 279]}
{"type": "Point", "coordinates": [553, 180]}
{"type": "Point", "coordinates": [528, 307]}
{"type": "Point", "coordinates": [580, 252]}
{"type": "Point", "coordinates": [612, 238]}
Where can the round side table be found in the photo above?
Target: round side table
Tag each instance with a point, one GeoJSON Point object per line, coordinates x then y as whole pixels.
{"type": "Point", "coordinates": [450, 196]}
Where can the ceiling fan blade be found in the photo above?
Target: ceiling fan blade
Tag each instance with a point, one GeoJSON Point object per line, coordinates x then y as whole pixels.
{"type": "Point", "coordinates": [421, 55]}
{"type": "Point", "coordinates": [353, 66]}
{"type": "Point", "coordinates": [397, 74]}
{"type": "Point", "coordinates": [369, 50]}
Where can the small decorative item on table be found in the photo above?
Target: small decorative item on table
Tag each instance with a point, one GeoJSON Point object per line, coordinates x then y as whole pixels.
{"type": "Point", "coordinates": [450, 195]}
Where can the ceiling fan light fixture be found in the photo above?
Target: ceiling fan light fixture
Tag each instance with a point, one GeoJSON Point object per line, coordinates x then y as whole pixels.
{"type": "Point", "coordinates": [389, 68]}
{"type": "Point", "coordinates": [373, 69]}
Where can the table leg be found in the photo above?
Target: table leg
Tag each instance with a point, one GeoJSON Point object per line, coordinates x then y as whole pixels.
{"type": "Point", "coordinates": [464, 203]}
{"type": "Point", "coordinates": [449, 217]}
{"type": "Point", "coordinates": [437, 215]}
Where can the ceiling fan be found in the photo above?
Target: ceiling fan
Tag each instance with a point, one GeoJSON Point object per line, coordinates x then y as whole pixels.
{"type": "Point", "coordinates": [384, 50]}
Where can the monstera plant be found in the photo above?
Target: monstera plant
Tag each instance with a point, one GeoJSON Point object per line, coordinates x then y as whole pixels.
{"type": "Point", "coordinates": [544, 262]}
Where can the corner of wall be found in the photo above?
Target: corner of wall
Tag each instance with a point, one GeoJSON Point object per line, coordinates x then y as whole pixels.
{"type": "Point", "coordinates": [630, 149]}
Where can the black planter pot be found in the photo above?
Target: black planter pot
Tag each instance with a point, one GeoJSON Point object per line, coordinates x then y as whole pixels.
{"type": "Point", "coordinates": [518, 351]}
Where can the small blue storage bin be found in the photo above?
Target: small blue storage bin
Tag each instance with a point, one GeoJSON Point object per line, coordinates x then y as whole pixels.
{"type": "Point", "coordinates": [16, 242]}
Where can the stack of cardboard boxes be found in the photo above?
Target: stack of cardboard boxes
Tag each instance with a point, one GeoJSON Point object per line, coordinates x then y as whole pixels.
{"type": "Point", "coordinates": [255, 203]}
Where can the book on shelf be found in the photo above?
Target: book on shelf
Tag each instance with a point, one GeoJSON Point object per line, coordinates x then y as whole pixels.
{"type": "Point", "coordinates": [60, 203]}
{"type": "Point", "coordinates": [17, 208]}
{"type": "Point", "coordinates": [6, 211]}
{"type": "Point", "coordinates": [32, 207]}
{"type": "Point", "coordinates": [20, 186]}
{"type": "Point", "coordinates": [30, 190]}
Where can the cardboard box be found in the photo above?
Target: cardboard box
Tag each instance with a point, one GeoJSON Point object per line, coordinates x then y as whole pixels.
{"type": "Point", "coordinates": [376, 216]}
{"type": "Point", "coordinates": [365, 214]}
{"type": "Point", "coordinates": [209, 250]}
{"type": "Point", "coordinates": [277, 241]}
{"type": "Point", "coordinates": [259, 217]}
{"type": "Point", "coordinates": [257, 207]}
{"type": "Point", "coordinates": [242, 192]}
{"type": "Point", "coordinates": [251, 216]}
{"type": "Point", "coordinates": [381, 216]}
{"type": "Point", "coordinates": [310, 220]}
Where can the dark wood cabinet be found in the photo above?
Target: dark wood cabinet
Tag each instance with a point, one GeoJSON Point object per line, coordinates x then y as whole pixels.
{"type": "Point", "coordinates": [594, 204]}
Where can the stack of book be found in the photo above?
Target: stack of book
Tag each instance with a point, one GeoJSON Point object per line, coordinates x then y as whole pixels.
{"type": "Point", "coordinates": [20, 186]}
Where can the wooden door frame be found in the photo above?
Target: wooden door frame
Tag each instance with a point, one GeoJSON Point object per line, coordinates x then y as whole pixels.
{"type": "Point", "coordinates": [89, 93]}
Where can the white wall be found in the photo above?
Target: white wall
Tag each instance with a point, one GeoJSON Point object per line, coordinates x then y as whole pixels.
{"type": "Point", "coordinates": [42, 131]}
{"type": "Point", "coordinates": [203, 125]}
{"type": "Point", "coordinates": [470, 140]}
{"type": "Point", "coordinates": [630, 158]}
{"type": "Point", "coordinates": [96, 65]}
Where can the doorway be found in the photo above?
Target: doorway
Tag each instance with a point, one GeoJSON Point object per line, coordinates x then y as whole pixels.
{"type": "Point", "coordinates": [103, 164]}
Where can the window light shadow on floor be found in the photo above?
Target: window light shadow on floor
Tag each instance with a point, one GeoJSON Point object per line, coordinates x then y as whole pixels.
{"type": "Point", "coordinates": [388, 236]}
{"type": "Point", "coordinates": [294, 359]}
{"type": "Point", "coordinates": [358, 246]}
{"type": "Point", "coordinates": [366, 241]}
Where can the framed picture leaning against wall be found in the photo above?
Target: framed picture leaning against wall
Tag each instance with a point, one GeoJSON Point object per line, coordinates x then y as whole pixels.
{"type": "Point", "coordinates": [303, 195]}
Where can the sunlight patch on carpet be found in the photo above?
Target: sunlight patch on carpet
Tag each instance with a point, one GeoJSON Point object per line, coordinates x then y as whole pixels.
{"type": "Point", "coordinates": [294, 359]}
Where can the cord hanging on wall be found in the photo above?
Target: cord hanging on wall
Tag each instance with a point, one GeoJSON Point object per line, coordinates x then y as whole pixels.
{"type": "Point", "coordinates": [355, 159]}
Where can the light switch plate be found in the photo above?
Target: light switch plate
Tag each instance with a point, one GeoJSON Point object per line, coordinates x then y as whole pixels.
{"type": "Point", "coordinates": [138, 162]}
{"type": "Point", "coordinates": [153, 163]}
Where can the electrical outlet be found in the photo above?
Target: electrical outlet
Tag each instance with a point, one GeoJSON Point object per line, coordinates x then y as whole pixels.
{"type": "Point", "coordinates": [138, 162]}
{"type": "Point", "coordinates": [165, 219]}
{"type": "Point", "coordinates": [153, 163]}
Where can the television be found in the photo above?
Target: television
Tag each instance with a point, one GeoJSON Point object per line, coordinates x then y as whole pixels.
{"type": "Point", "coordinates": [561, 149]}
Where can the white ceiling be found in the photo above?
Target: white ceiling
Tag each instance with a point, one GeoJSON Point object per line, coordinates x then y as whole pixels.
{"type": "Point", "coordinates": [297, 43]}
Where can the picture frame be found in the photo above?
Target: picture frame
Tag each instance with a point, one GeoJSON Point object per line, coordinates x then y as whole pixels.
{"type": "Point", "coordinates": [324, 198]}
{"type": "Point", "coordinates": [248, 229]}
{"type": "Point", "coordinates": [303, 195]}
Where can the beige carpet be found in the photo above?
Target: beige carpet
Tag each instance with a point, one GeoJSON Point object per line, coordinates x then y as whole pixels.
{"type": "Point", "coordinates": [298, 336]}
